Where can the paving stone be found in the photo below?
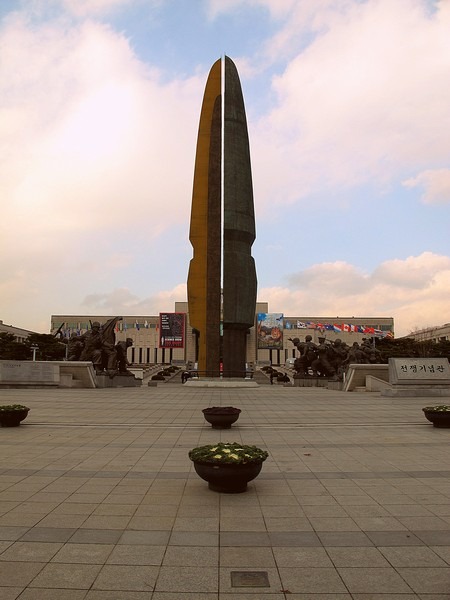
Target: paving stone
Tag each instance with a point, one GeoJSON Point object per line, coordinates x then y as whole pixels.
{"type": "Point", "coordinates": [126, 578]}
{"type": "Point", "coordinates": [136, 555]}
{"type": "Point", "coordinates": [427, 580]}
{"type": "Point", "coordinates": [336, 506]}
{"type": "Point", "coordinates": [83, 553]}
{"type": "Point", "coordinates": [11, 593]}
{"type": "Point", "coordinates": [235, 556]}
{"type": "Point", "coordinates": [344, 538]}
{"type": "Point", "coordinates": [15, 573]}
{"type": "Point", "coordinates": [319, 580]}
{"type": "Point", "coordinates": [73, 576]}
{"type": "Point", "coordinates": [31, 551]}
{"type": "Point", "coordinates": [12, 533]}
{"type": "Point", "coordinates": [301, 557]}
{"type": "Point", "coordinates": [57, 594]}
{"type": "Point", "coordinates": [146, 538]}
{"type": "Point", "coordinates": [412, 556]}
{"type": "Point", "coordinates": [47, 534]}
{"type": "Point", "coordinates": [365, 580]}
{"type": "Point", "coordinates": [194, 538]}
{"type": "Point", "coordinates": [191, 556]}
{"type": "Point", "coordinates": [187, 579]}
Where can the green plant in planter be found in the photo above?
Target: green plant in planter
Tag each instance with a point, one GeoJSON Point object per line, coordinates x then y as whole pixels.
{"type": "Point", "coordinates": [221, 410]}
{"type": "Point", "coordinates": [12, 414]}
{"type": "Point", "coordinates": [12, 408]}
{"type": "Point", "coordinates": [438, 415]}
{"type": "Point", "coordinates": [228, 467]}
{"type": "Point", "coordinates": [228, 453]}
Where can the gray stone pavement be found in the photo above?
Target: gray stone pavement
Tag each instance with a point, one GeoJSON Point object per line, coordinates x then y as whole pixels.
{"type": "Point", "coordinates": [99, 501]}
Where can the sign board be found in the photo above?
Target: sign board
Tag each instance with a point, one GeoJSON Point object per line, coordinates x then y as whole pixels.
{"type": "Point", "coordinates": [27, 372]}
{"type": "Point", "coordinates": [269, 328]}
{"type": "Point", "coordinates": [419, 371]}
{"type": "Point", "coordinates": [171, 330]}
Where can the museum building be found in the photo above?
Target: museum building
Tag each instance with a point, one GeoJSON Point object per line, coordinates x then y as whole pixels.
{"type": "Point", "coordinates": [169, 337]}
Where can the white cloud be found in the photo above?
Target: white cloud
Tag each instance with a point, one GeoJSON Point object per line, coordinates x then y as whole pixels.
{"type": "Point", "coordinates": [365, 101]}
{"type": "Point", "coordinates": [123, 302]}
{"type": "Point", "coordinates": [414, 291]}
{"type": "Point", "coordinates": [91, 143]}
{"type": "Point", "coordinates": [435, 183]}
{"type": "Point", "coordinates": [88, 126]}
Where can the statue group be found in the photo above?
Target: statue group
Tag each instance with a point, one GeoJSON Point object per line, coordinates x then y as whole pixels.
{"type": "Point", "coordinates": [98, 345]}
{"type": "Point", "coordinates": [331, 359]}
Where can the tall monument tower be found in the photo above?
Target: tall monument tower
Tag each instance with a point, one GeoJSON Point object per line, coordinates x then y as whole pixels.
{"type": "Point", "coordinates": [222, 276]}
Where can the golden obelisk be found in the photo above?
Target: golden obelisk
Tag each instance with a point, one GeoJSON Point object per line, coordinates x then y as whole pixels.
{"type": "Point", "coordinates": [222, 251]}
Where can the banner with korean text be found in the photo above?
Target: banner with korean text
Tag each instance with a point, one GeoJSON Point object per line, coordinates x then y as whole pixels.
{"type": "Point", "coordinates": [171, 330]}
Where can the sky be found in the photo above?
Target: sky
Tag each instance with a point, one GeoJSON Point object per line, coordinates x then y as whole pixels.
{"type": "Point", "coordinates": [348, 111]}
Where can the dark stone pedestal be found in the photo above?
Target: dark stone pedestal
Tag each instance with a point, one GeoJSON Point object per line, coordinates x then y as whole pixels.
{"type": "Point", "coordinates": [104, 381]}
{"type": "Point", "coordinates": [315, 382]}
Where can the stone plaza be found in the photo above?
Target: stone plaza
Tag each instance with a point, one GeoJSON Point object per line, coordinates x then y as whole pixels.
{"type": "Point", "coordinates": [99, 500]}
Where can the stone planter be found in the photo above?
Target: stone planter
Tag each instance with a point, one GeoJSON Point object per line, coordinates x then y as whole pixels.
{"type": "Point", "coordinates": [439, 418]}
{"type": "Point", "coordinates": [228, 478]}
{"type": "Point", "coordinates": [13, 417]}
{"type": "Point", "coordinates": [221, 417]}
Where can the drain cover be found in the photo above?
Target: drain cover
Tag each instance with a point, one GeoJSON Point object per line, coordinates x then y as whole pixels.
{"type": "Point", "coordinates": [249, 579]}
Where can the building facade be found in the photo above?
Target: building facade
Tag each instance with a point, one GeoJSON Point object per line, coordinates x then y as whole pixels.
{"type": "Point", "coordinates": [20, 334]}
{"type": "Point", "coordinates": [146, 333]}
{"type": "Point", "coordinates": [440, 333]}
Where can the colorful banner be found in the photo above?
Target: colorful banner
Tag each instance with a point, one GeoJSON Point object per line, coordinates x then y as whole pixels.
{"type": "Point", "coordinates": [336, 327]}
{"type": "Point", "coordinates": [269, 328]}
{"type": "Point", "coordinates": [171, 330]}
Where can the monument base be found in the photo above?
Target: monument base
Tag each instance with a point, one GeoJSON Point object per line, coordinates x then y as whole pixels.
{"type": "Point", "coordinates": [416, 392]}
{"type": "Point", "coordinates": [316, 382]}
{"type": "Point", "coordinates": [222, 383]}
{"type": "Point", "coordinates": [105, 381]}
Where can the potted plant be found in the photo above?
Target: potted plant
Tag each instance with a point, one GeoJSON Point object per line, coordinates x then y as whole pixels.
{"type": "Point", "coordinates": [438, 415]}
{"type": "Point", "coordinates": [228, 467]}
{"type": "Point", "coordinates": [221, 417]}
{"type": "Point", "coordinates": [12, 414]}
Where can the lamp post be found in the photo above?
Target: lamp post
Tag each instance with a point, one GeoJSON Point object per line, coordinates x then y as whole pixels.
{"type": "Point", "coordinates": [34, 349]}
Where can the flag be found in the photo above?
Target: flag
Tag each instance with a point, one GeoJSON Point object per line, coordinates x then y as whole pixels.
{"type": "Point", "coordinates": [146, 324]}
{"type": "Point", "coordinates": [346, 327]}
{"type": "Point", "coordinates": [125, 327]}
{"type": "Point", "coordinates": [329, 327]}
{"type": "Point", "coordinates": [136, 325]}
{"type": "Point", "coordinates": [360, 328]}
{"type": "Point", "coordinates": [337, 328]}
{"type": "Point", "coordinates": [369, 330]}
{"type": "Point", "coordinates": [301, 325]}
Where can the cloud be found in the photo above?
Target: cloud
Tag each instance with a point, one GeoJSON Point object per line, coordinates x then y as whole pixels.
{"type": "Point", "coordinates": [435, 183]}
{"type": "Point", "coordinates": [363, 98]}
{"type": "Point", "coordinates": [123, 302]}
{"type": "Point", "coordinates": [90, 153]}
{"type": "Point", "coordinates": [414, 291]}
{"type": "Point", "coordinates": [89, 128]}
